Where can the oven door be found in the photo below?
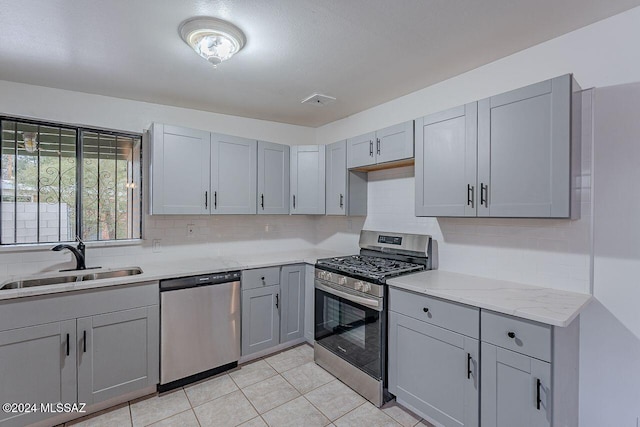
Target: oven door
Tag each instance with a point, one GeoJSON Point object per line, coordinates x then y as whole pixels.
{"type": "Point", "coordinates": [350, 326]}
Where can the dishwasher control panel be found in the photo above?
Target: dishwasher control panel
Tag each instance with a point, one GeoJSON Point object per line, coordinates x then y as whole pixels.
{"type": "Point", "coordinates": [200, 280]}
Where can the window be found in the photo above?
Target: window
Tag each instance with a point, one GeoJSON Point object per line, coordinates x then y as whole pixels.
{"type": "Point", "coordinates": [60, 181]}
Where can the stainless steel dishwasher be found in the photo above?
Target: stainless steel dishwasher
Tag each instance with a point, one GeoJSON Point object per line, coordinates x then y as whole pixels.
{"type": "Point", "coordinates": [199, 327]}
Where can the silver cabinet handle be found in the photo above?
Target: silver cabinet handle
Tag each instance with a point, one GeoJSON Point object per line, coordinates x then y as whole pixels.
{"type": "Point", "coordinates": [371, 148]}
{"type": "Point", "coordinates": [294, 201]}
{"type": "Point", "coordinates": [262, 201]}
{"type": "Point", "coordinates": [206, 202]}
{"type": "Point", "coordinates": [215, 200]}
{"type": "Point", "coordinates": [341, 201]}
{"type": "Point", "coordinates": [470, 189]}
{"type": "Point", "coordinates": [378, 145]}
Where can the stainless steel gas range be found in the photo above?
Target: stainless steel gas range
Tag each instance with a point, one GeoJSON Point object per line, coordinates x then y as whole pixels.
{"type": "Point", "coordinates": [351, 307]}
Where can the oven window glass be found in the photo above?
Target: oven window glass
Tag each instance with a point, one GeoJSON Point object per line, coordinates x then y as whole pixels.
{"type": "Point", "coordinates": [349, 330]}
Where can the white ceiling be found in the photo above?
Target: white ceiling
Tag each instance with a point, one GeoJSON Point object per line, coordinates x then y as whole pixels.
{"type": "Point", "coordinates": [363, 52]}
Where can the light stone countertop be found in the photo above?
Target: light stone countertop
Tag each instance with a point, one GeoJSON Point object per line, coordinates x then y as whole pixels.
{"type": "Point", "coordinates": [550, 306]}
{"type": "Point", "coordinates": [154, 271]}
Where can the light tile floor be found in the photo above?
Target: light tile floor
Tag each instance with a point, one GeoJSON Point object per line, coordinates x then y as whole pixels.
{"type": "Point", "coordinates": [285, 389]}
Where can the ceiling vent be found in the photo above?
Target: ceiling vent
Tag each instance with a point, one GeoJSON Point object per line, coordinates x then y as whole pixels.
{"type": "Point", "coordinates": [318, 99]}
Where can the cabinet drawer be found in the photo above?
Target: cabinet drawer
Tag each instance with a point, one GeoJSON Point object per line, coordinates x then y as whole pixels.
{"type": "Point", "coordinates": [260, 277]}
{"type": "Point", "coordinates": [520, 335]}
{"type": "Point", "coordinates": [449, 315]}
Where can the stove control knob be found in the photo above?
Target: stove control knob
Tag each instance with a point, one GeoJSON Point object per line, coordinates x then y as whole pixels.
{"type": "Point", "coordinates": [359, 285]}
{"type": "Point", "coordinates": [323, 274]}
{"type": "Point", "coordinates": [342, 281]}
{"type": "Point", "coordinates": [329, 275]}
{"type": "Point", "coordinates": [366, 287]}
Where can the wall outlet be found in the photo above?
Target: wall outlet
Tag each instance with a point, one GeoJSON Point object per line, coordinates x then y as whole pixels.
{"type": "Point", "coordinates": [191, 230]}
{"type": "Point", "coordinates": [155, 246]}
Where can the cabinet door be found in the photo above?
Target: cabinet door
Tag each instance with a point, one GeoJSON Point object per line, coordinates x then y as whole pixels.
{"type": "Point", "coordinates": [515, 389]}
{"type": "Point", "coordinates": [394, 143]}
{"type": "Point", "coordinates": [434, 370]}
{"type": "Point", "coordinates": [260, 319]}
{"type": "Point", "coordinates": [361, 150]}
{"type": "Point", "coordinates": [179, 170]}
{"type": "Point", "coordinates": [37, 368]}
{"type": "Point", "coordinates": [336, 172]}
{"type": "Point", "coordinates": [307, 179]}
{"type": "Point", "coordinates": [292, 298]}
{"type": "Point", "coordinates": [273, 178]}
{"type": "Point", "coordinates": [118, 353]}
{"type": "Point", "coordinates": [524, 148]}
{"type": "Point", "coordinates": [233, 174]}
{"type": "Point", "coordinates": [446, 157]}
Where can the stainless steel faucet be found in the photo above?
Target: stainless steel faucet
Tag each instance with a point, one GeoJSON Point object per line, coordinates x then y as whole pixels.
{"type": "Point", "coordinates": [78, 252]}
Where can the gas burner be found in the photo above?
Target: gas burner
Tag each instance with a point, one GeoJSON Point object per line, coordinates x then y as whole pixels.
{"type": "Point", "coordinates": [373, 267]}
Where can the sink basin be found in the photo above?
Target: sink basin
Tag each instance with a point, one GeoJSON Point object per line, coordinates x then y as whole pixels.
{"type": "Point", "coordinates": [71, 278]}
{"type": "Point", "coordinates": [111, 274]}
{"type": "Point", "coordinates": [41, 282]}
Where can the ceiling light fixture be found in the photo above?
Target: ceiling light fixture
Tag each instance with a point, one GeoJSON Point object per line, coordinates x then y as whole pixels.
{"type": "Point", "coordinates": [30, 141]}
{"type": "Point", "coordinates": [213, 39]}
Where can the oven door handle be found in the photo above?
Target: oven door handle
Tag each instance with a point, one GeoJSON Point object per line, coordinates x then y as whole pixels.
{"type": "Point", "coordinates": [369, 302]}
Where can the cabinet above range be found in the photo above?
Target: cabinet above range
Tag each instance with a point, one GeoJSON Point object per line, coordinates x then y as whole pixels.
{"type": "Point", "coordinates": [376, 150]}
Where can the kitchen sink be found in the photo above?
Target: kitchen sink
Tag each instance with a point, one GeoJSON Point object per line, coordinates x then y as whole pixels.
{"type": "Point", "coordinates": [112, 274]}
{"type": "Point", "coordinates": [72, 278]}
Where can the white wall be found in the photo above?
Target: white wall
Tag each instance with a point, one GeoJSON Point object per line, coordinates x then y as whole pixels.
{"type": "Point", "coordinates": [134, 116]}
{"type": "Point", "coordinates": [545, 252]}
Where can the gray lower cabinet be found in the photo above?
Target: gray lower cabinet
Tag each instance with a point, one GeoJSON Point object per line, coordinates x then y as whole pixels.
{"type": "Point", "coordinates": [273, 178]}
{"type": "Point", "coordinates": [292, 284]}
{"type": "Point", "coordinates": [179, 170]}
{"type": "Point", "coordinates": [529, 372]}
{"type": "Point", "coordinates": [346, 191]}
{"type": "Point", "coordinates": [308, 180]}
{"type": "Point", "coordinates": [273, 305]}
{"type": "Point", "coordinates": [84, 346]}
{"type": "Point", "coordinates": [529, 151]}
{"type": "Point", "coordinates": [234, 183]}
{"type": "Point", "coordinates": [260, 318]}
{"type": "Point", "coordinates": [37, 368]}
{"type": "Point", "coordinates": [446, 159]}
{"type": "Point", "coordinates": [117, 353]}
{"type": "Point", "coordinates": [434, 371]}
{"type": "Point", "coordinates": [515, 389]}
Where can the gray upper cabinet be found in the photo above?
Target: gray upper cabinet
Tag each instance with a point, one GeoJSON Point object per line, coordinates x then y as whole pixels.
{"type": "Point", "coordinates": [117, 353]}
{"type": "Point", "coordinates": [308, 179]}
{"type": "Point", "coordinates": [446, 158]}
{"type": "Point", "coordinates": [234, 163]}
{"type": "Point", "coordinates": [336, 178]}
{"type": "Point", "coordinates": [292, 283]}
{"type": "Point", "coordinates": [361, 151]}
{"type": "Point", "coordinates": [260, 318]}
{"type": "Point", "coordinates": [526, 147]}
{"type": "Point", "coordinates": [273, 178]}
{"type": "Point", "coordinates": [346, 191]}
{"type": "Point", "coordinates": [179, 170]}
{"type": "Point", "coordinates": [38, 366]}
{"type": "Point", "coordinates": [394, 143]}
{"type": "Point", "coordinates": [385, 145]}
